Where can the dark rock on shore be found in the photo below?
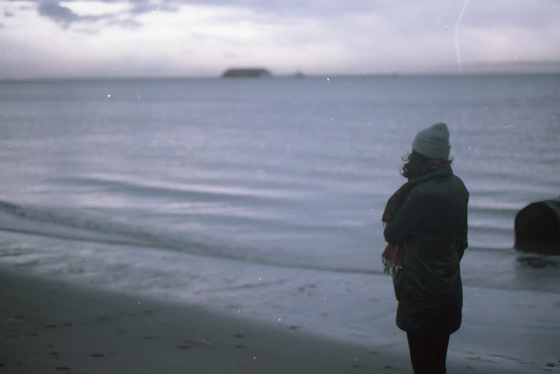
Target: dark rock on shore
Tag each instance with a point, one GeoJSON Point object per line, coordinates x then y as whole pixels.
{"type": "Point", "coordinates": [537, 227]}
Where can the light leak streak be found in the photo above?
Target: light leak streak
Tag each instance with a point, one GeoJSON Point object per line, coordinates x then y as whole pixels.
{"type": "Point", "coordinates": [457, 37]}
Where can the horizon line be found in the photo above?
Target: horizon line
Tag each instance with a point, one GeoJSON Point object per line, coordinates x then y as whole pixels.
{"type": "Point", "coordinates": [291, 76]}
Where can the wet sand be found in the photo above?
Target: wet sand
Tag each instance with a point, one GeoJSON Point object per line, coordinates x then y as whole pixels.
{"type": "Point", "coordinates": [50, 326]}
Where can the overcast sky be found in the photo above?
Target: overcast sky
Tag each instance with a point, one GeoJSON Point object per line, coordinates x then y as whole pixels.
{"type": "Point", "coordinates": [132, 38]}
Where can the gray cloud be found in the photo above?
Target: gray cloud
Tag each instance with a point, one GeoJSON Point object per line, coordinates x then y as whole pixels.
{"type": "Point", "coordinates": [63, 15]}
{"type": "Point", "coordinates": [318, 35]}
{"type": "Point", "coordinates": [266, 9]}
{"type": "Point", "coordinates": [411, 14]}
{"type": "Point", "coordinates": [518, 14]}
{"type": "Point", "coordinates": [141, 7]}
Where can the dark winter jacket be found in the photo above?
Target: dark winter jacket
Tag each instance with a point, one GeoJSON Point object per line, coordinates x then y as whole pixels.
{"type": "Point", "coordinates": [432, 224]}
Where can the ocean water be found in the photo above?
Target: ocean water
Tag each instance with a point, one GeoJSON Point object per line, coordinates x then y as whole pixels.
{"type": "Point", "coordinates": [213, 189]}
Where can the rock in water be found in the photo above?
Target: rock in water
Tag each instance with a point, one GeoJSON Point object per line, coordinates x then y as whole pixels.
{"type": "Point", "coordinates": [537, 227]}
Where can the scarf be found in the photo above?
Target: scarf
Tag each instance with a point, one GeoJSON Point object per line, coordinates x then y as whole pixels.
{"type": "Point", "coordinates": [393, 254]}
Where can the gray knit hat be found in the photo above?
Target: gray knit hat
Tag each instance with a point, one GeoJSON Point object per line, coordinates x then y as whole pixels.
{"type": "Point", "coordinates": [433, 142]}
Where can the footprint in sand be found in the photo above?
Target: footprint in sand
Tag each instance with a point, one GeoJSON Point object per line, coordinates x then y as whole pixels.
{"type": "Point", "coordinates": [188, 344]}
{"type": "Point", "coordinates": [62, 368]}
{"type": "Point", "coordinates": [97, 355]}
{"type": "Point", "coordinates": [201, 343]}
{"type": "Point", "coordinates": [54, 354]}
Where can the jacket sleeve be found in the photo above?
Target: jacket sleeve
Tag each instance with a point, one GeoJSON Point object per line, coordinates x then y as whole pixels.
{"type": "Point", "coordinates": [407, 220]}
{"type": "Point", "coordinates": [463, 240]}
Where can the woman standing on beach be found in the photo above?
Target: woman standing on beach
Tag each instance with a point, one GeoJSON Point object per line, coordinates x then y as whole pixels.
{"type": "Point", "coordinates": [426, 228]}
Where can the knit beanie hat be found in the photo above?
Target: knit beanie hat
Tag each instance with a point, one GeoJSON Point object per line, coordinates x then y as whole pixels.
{"type": "Point", "coordinates": [433, 142]}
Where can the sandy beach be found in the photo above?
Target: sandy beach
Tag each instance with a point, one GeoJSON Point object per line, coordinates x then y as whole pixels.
{"type": "Point", "coordinates": [53, 326]}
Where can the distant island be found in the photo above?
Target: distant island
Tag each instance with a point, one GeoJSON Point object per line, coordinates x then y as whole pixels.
{"type": "Point", "coordinates": [246, 73]}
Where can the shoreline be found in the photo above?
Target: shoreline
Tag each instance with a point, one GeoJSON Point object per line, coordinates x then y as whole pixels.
{"type": "Point", "coordinates": [52, 325]}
